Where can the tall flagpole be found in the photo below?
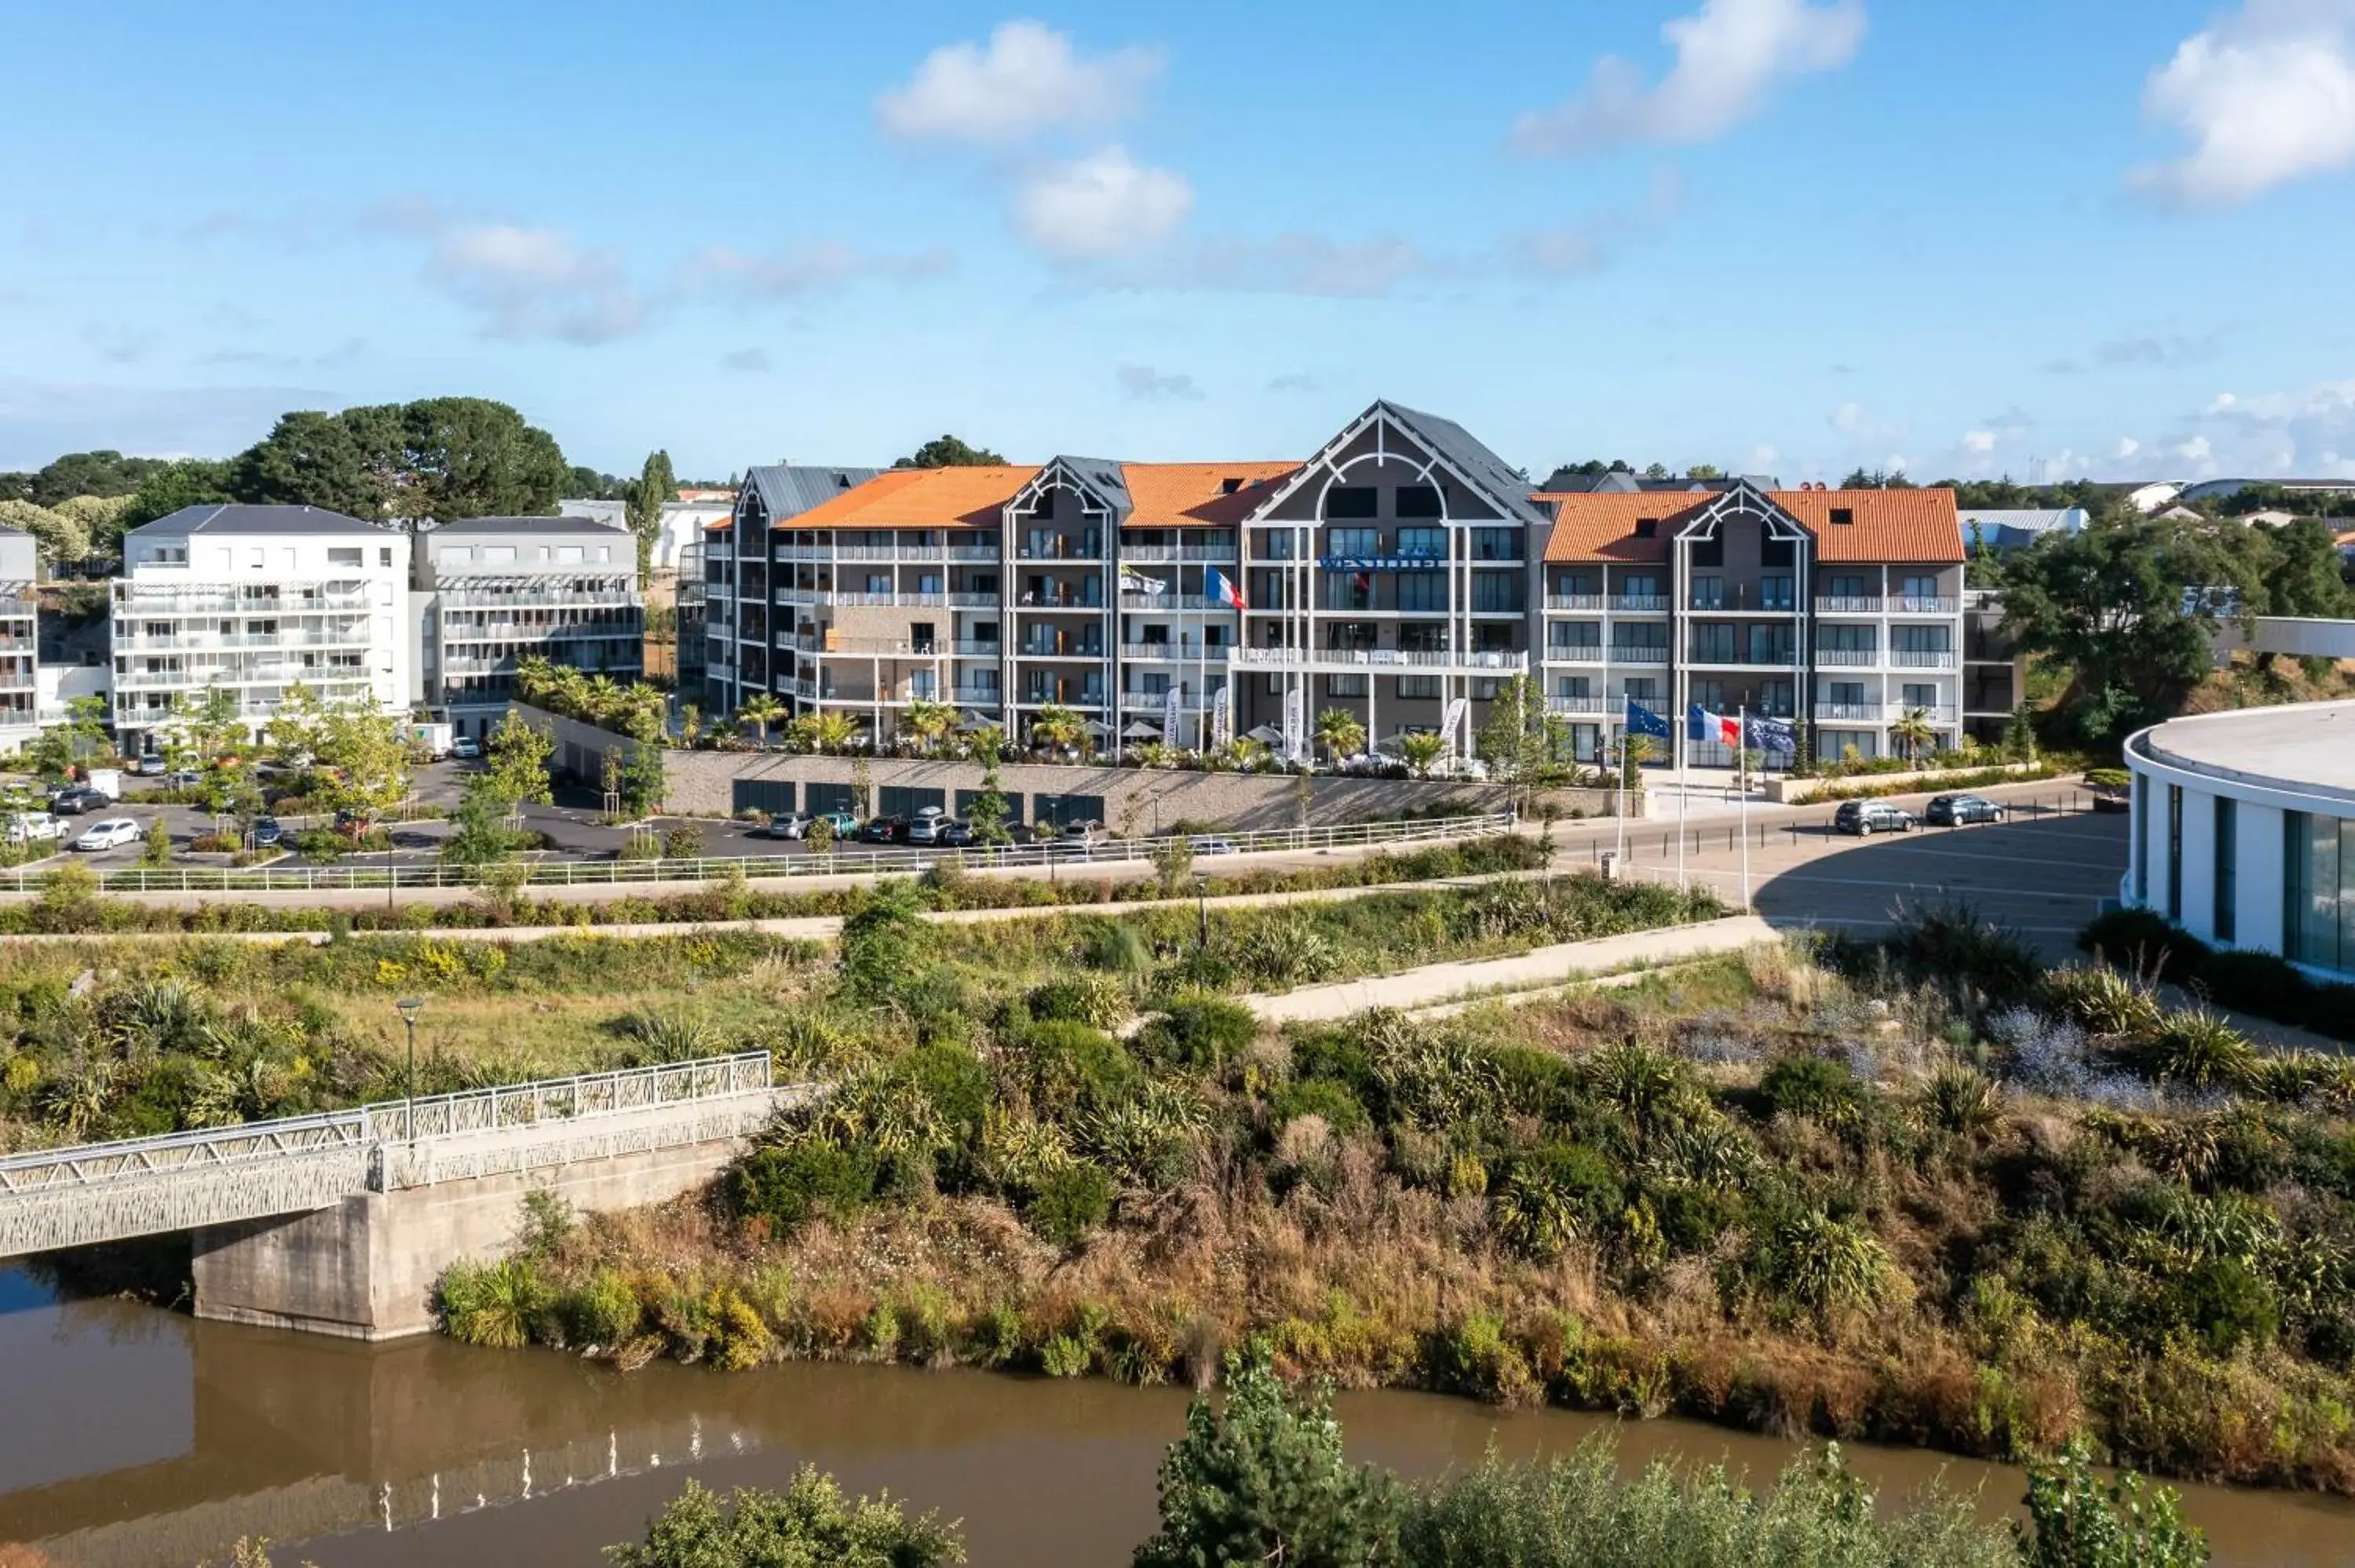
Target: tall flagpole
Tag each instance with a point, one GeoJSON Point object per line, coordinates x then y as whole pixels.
{"type": "Point", "coordinates": [1682, 748]}
{"type": "Point", "coordinates": [1627, 728]}
{"type": "Point", "coordinates": [1742, 743]}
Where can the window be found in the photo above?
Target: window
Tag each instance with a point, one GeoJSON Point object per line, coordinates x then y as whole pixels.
{"type": "Point", "coordinates": [1708, 593]}
{"type": "Point", "coordinates": [1640, 585]}
{"type": "Point", "coordinates": [1422, 591]}
{"type": "Point", "coordinates": [1918, 695]}
{"type": "Point", "coordinates": [1846, 694]}
{"type": "Point", "coordinates": [498, 554]}
{"type": "Point", "coordinates": [1842, 517]}
{"type": "Point", "coordinates": [571, 554]}
{"type": "Point", "coordinates": [1573, 687]}
{"type": "Point", "coordinates": [384, 555]}
{"type": "Point", "coordinates": [1429, 543]}
{"type": "Point", "coordinates": [1153, 683]}
{"type": "Point", "coordinates": [1920, 588]}
{"type": "Point", "coordinates": [1846, 588]}
{"type": "Point", "coordinates": [1770, 645]}
{"type": "Point", "coordinates": [1776, 593]}
{"type": "Point", "coordinates": [1574, 634]}
{"type": "Point", "coordinates": [1496, 543]}
{"type": "Point", "coordinates": [1919, 640]}
{"type": "Point", "coordinates": [1711, 644]}
{"type": "Point", "coordinates": [1345, 685]}
{"type": "Point", "coordinates": [1643, 688]}
{"type": "Point", "coordinates": [879, 583]}
{"type": "Point", "coordinates": [1418, 686]}
{"type": "Point", "coordinates": [1847, 638]}
{"type": "Point", "coordinates": [1276, 544]}
{"type": "Point", "coordinates": [1419, 501]}
{"type": "Point", "coordinates": [1350, 590]}
{"type": "Point", "coordinates": [1352, 500]}
{"type": "Point", "coordinates": [2174, 852]}
{"type": "Point", "coordinates": [1574, 585]}
{"type": "Point", "coordinates": [2227, 879]}
{"type": "Point", "coordinates": [1642, 637]}
{"type": "Point", "coordinates": [1353, 542]}
{"type": "Point", "coordinates": [1498, 592]}
{"type": "Point", "coordinates": [1647, 527]}
{"type": "Point", "coordinates": [1777, 552]}
{"type": "Point", "coordinates": [1709, 552]}
{"type": "Point", "coordinates": [338, 556]}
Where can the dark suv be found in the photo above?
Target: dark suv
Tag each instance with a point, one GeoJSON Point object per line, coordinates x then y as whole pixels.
{"type": "Point", "coordinates": [1866, 818]}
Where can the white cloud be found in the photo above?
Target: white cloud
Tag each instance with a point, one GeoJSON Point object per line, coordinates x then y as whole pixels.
{"type": "Point", "coordinates": [1027, 79]}
{"type": "Point", "coordinates": [536, 283]}
{"type": "Point", "coordinates": [1978, 443]}
{"type": "Point", "coordinates": [1729, 58]}
{"type": "Point", "coordinates": [2128, 446]}
{"type": "Point", "coordinates": [1763, 459]}
{"type": "Point", "coordinates": [807, 268]}
{"type": "Point", "coordinates": [1855, 420]}
{"type": "Point", "coordinates": [1103, 206]}
{"type": "Point", "coordinates": [1143, 384]}
{"type": "Point", "coordinates": [2263, 96]}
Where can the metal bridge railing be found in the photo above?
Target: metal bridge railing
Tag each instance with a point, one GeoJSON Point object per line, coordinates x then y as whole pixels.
{"type": "Point", "coordinates": [851, 862]}
{"type": "Point", "coordinates": [588, 1095]}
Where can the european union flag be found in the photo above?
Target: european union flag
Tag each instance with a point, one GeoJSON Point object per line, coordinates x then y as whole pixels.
{"type": "Point", "coordinates": [1642, 720]}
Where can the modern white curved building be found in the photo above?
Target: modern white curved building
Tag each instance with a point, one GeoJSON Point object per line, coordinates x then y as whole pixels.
{"type": "Point", "coordinates": [2245, 830]}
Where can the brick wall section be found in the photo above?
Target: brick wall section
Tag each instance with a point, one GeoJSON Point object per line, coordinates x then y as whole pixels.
{"type": "Point", "coordinates": [702, 783]}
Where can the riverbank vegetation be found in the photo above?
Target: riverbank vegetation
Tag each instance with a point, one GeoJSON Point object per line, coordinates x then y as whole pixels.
{"type": "Point", "coordinates": [1922, 1192]}
{"type": "Point", "coordinates": [103, 1040]}
{"type": "Point", "coordinates": [71, 900]}
{"type": "Point", "coordinates": [1262, 1477]}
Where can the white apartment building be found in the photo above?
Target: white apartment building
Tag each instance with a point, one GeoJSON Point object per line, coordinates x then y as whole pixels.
{"type": "Point", "coordinates": [1842, 610]}
{"type": "Point", "coordinates": [494, 591]}
{"type": "Point", "coordinates": [19, 639]}
{"type": "Point", "coordinates": [255, 599]}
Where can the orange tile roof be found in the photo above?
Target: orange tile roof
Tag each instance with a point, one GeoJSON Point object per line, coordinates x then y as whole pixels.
{"type": "Point", "coordinates": [1898, 526]}
{"type": "Point", "coordinates": [1195, 494]}
{"type": "Point", "coordinates": [919, 498]}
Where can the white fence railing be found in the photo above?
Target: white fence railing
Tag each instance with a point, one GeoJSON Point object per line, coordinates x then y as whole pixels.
{"type": "Point", "coordinates": [513, 1107]}
{"type": "Point", "coordinates": [852, 861]}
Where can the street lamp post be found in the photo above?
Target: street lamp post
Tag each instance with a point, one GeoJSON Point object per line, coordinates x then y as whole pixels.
{"type": "Point", "coordinates": [410, 1006]}
{"type": "Point", "coordinates": [1202, 912]}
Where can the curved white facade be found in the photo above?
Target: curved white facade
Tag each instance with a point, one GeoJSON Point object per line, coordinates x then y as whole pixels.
{"type": "Point", "coordinates": [2245, 830]}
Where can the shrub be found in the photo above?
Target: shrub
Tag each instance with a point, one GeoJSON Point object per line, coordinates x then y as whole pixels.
{"type": "Point", "coordinates": [2146, 941]}
{"type": "Point", "coordinates": [1326, 1097]}
{"type": "Point", "coordinates": [1068, 1202]}
{"type": "Point", "coordinates": [2261, 983]}
{"type": "Point", "coordinates": [789, 1183]}
{"type": "Point", "coordinates": [2197, 1049]}
{"type": "Point", "coordinates": [1551, 1195]}
{"type": "Point", "coordinates": [492, 1304]}
{"type": "Point", "coordinates": [2075, 1521]}
{"type": "Point", "coordinates": [1814, 1086]}
{"type": "Point", "coordinates": [1074, 1068]}
{"type": "Point", "coordinates": [812, 1522]}
{"type": "Point", "coordinates": [683, 841]}
{"type": "Point", "coordinates": [1100, 1002]}
{"type": "Point", "coordinates": [1198, 1034]}
{"type": "Point", "coordinates": [602, 1311]}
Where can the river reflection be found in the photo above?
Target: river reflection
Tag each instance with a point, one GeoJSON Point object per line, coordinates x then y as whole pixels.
{"type": "Point", "coordinates": [139, 1438]}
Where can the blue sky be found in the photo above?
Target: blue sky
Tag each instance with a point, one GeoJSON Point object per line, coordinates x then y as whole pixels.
{"type": "Point", "coordinates": [1787, 235]}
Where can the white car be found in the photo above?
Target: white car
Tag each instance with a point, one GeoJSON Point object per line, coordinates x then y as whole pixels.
{"type": "Point", "coordinates": [113, 833]}
{"type": "Point", "coordinates": [25, 828]}
{"type": "Point", "coordinates": [465, 748]}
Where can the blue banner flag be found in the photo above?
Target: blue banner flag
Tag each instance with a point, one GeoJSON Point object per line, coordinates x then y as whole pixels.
{"type": "Point", "coordinates": [1773, 735]}
{"type": "Point", "coordinates": [1642, 720]}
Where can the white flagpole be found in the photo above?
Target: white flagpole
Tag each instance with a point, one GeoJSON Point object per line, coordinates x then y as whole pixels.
{"type": "Point", "coordinates": [1627, 728]}
{"type": "Point", "coordinates": [1742, 743]}
{"type": "Point", "coordinates": [1682, 745]}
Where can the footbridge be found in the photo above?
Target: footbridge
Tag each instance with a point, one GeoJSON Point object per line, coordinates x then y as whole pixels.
{"type": "Point", "coordinates": [341, 1221]}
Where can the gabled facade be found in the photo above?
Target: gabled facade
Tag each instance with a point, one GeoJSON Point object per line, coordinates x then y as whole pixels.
{"type": "Point", "coordinates": [1838, 610]}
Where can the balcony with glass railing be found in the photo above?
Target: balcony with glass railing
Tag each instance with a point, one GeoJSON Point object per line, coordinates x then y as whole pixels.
{"type": "Point", "coordinates": [1486, 662]}
{"type": "Point", "coordinates": [1920, 604]}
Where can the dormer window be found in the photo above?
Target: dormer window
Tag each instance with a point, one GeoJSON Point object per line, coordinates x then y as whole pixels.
{"type": "Point", "coordinates": [1229, 486]}
{"type": "Point", "coordinates": [1842, 517]}
{"type": "Point", "coordinates": [1647, 527]}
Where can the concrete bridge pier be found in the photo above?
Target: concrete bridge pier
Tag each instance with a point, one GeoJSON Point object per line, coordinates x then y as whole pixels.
{"type": "Point", "coordinates": [364, 1266]}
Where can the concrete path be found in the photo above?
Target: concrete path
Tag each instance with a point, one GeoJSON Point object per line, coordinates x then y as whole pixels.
{"type": "Point", "coordinates": [1412, 988]}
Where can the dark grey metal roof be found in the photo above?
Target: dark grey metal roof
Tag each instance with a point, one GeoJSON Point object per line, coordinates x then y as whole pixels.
{"type": "Point", "coordinates": [529, 525]}
{"type": "Point", "coordinates": [1498, 480]}
{"type": "Point", "coordinates": [788, 490]}
{"type": "Point", "coordinates": [1103, 477]}
{"type": "Point", "coordinates": [236, 517]}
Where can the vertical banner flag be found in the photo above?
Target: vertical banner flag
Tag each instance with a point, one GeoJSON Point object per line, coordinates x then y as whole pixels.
{"type": "Point", "coordinates": [1456, 708]}
{"type": "Point", "coordinates": [1172, 703]}
{"type": "Point", "coordinates": [1221, 589]}
{"type": "Point", "coordinates": [1295, 703]}
{"type": "Point", "coordinates": [1222, 721]}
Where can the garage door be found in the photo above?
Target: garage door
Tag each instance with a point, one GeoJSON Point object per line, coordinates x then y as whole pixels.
{"type": "Point", "coordinates": [827, 797]}
{"type": "Point", "coordinates": [763, 795]}
{"type": "Point", "coordinates": [906, 800]}
{"type": "Point", "coordinates": [1058, 810]}
{"type": "Point", "coordinates": [965, 798]}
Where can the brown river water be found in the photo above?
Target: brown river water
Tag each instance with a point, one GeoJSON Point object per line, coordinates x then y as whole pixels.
{"type": "Point", "coordinates": [142, 1438]}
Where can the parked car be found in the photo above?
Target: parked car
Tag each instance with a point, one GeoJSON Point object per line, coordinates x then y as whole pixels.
{"type": "Point", "coordinates": [151, 766]}
{"type": "Point", "coordinates": [886, 830]}
{"type": "Point", "coordinates": [78, 800]}
{"type": "Point", "coordinates": [787, 825]}
{"type": "Point", "coordinates": [1953, 811]}
{"type": "Point", "coordinates": [109, 832]}
{"type": "Point", "coordinates": [267, 833]}
{"type": "Point", "coordinates": [924, 827]}
{"type": "Point", "coordinates": [185, 779]}
{"type": "Point", "coordinates": [954, 834]}
{"type": "Point", "coordinates": [1085, 833]}
{"type": "Point", "coordinates": [28, 827]}
{"type": "Point", "coordinates": [1866, 818]}
{"type": "Point", "coordinates": [465, 748]}
{"type": "Point", "coordinates": [1211, 843]}
{"type": "Point", "coordinates": [844, 824]}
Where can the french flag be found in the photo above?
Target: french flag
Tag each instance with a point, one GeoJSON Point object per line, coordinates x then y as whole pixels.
{"type": "Point", "coordinates": [1222, 589]}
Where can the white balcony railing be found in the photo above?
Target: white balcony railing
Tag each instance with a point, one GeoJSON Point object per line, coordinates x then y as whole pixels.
{"type": "Point", "coordinates": [1932, 605]}
{"type": "Point", "coordinates": [1485, 661]}
{"type": "Point", "coordinates": [1169, 601]}
{"type": "Point", "coordinates": [1922, 659]}
{"type": "Point", "coordinates": [1847, 604]}
{"type": "Point", "coordinates": [1640, 604]}
{"type": "Point", "coordinates": [1587, 602]}
{"type": "Point", "coordinates": [1583, 705]}
{"type": "Point", "coordinates": [1847, 658]}
{"type": "Point", "coordinates": [1166, 554]}
{"type": "Point", "coordinates": [1623, 653]}
{"type": "Point", "coordinates": [1574, 653]}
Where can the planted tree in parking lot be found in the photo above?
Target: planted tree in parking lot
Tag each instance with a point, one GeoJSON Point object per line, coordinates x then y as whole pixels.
{"type": "Point", "coordinates": [368, 760]}
{"type": "Point", "coordinates": [516, 764]}
{"type": "Point", "coordinates": [641, 781]}
{"type": "Point", "coordinates": [987, 814]}
{"type": "Point", "coordinates": [297, 730]}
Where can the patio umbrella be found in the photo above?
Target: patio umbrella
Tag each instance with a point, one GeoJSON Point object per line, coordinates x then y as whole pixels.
{"type": "Point", "coordinates": [1097, 729]}
{"type": "Point", "coordinates": [970, 720]}
{"type": "Point", "coordinates": [1138, 729]}
{"type": "Point", "coordinates": [1266, 735]}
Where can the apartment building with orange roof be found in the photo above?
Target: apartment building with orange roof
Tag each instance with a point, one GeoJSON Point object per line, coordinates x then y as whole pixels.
{"type": "Point", "coordinates": [1842, 610]}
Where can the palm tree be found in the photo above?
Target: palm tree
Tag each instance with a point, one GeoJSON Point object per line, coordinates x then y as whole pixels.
{"type": "Point", "coordinates": [1422, 748]}
{"type": "Point", "coordinates": [1060, 729]}
{"type": "Point", "coordinates": [1911, 731]}
{"type": "Point", "coordinates": [690, 724]}
{"type": "Point", "coordinates": [835, 732]}
{"type": "Point", "coordinates": [532, 678]}
{"type": "Point", "coordinates": [929, 722]}
{"type": "Point", "coordinates": [1340, 734]}
{"type": "Point", "coordinates": [601, 698]}
{"type": "Point", "coordinates": [1153, 754]}
{"type": "Point", "coordinates": [761, 709]}
{"type": "Point", "coordinates": [567, 691]}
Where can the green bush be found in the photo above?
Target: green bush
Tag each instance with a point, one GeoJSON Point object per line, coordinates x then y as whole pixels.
{"type": "Point", "coordinates": [790, 1183]}
{"type": "Point", "coordinates": [492, 1304]}
{"type": "Point", "coordinates": [1814, 1086]}
{"type": "Point", "coordinates": [1073, 1068]}
{"type": "Point", "coordinates": [1100, 1002]}
{"type": "Point", "coordinates": [1326, 1097]}
{"type": "Point", "coordinates": [2145, 941]}
{"type": "Point", "coordinates": [1198, 1034]}
{"type": "Point", "coordinates": [602, 1311]}
{"type": "Point", "coordinates": [812, 1523]}
{"type": "Point", "coordinates": [1068, 1202]}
